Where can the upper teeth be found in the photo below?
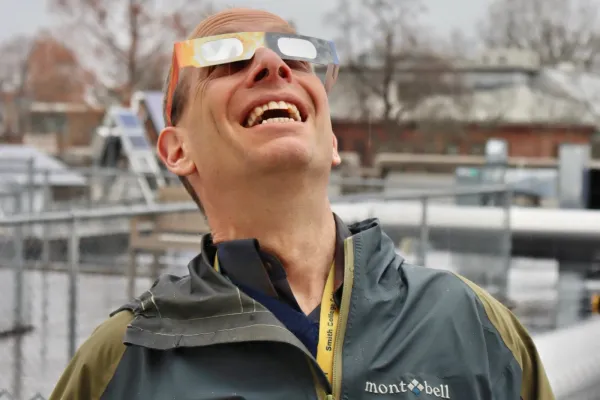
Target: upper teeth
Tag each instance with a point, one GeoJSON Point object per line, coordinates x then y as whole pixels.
{"type": "Point", "coordinates": [255, 116]}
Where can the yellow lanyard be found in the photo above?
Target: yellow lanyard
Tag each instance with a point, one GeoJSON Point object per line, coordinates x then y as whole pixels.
{"type": "Point", "coordinates": [328, 327]}
{"type": "Point", "coordinates": [328, 324]}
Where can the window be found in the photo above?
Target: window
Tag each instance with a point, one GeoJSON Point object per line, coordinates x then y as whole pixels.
{"type": "Point", "coordinates": [429, 147]}
{"type": "Point", "coordinates": [360, 148]}
{"type": "Point", "coordinates": [48, 122]}
{"type": "Point", "coordinates": [477, 149]}
{"type": "Point", "coordinates": [451, 148]}
{"type": "Point", "coordinates": [595, 145]}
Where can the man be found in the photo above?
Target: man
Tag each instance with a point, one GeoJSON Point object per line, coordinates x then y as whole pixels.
{"type": "Point", "coordinates": [285, 301]}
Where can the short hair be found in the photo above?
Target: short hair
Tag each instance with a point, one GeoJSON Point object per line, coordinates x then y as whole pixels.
{"type": "Point", "coordinates": [179, 101]}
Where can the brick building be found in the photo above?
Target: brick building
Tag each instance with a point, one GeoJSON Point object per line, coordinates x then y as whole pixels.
{"type": "Point", "coordinates": [504, 94]}
{"type": "Point", "coordinates": [53, 110]}
{"type": "Point", "coordinates": [524, 140]}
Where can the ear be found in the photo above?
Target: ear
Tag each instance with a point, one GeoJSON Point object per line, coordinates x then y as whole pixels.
{"type": "Point", "coordinates": [171, 148]}
{"type": "Point", "coordinates": [336, 159]}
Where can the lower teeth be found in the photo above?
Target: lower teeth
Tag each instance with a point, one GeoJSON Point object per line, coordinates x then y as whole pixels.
{"type": "Point", "coordinates": [271, 120]}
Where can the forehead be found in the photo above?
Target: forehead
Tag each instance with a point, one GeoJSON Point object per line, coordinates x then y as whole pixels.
{"type": "Point", "coordinates": [241, 20]}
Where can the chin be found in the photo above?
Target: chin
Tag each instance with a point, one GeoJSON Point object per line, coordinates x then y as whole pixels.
{"type": "Point", "coordinates": [282, 155]}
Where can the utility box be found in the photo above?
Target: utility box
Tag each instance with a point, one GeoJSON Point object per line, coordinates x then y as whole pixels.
{"type": "Point", "coordinates": [573, 182]}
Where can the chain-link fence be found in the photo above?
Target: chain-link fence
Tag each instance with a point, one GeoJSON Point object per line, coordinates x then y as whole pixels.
{"type": "Point", "coordinates": [58, 282]}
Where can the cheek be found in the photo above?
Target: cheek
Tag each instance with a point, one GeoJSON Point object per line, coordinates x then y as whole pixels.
{"type": "Point", "coordinates": [316, 91]}
{"type": "Point", "coordinates": [219, 95]}
{"type": "Point", "coordinates": [208, 103]}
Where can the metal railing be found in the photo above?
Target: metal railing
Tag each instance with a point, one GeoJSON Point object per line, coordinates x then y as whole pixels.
{"type": "Point", "coordinates": [97, 181]}
{"type": "Point", "coordinates": [73, 219]}
{"type": "Point", "coordinates": [18, 226]}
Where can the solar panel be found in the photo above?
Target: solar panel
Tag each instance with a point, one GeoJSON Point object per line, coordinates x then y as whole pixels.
{"type": "Point", "coordinates": [154, 101]}
{"type": "Point", "coordinates": [139, 142]}
{"type": "Point", "coordinates": [129, 120]}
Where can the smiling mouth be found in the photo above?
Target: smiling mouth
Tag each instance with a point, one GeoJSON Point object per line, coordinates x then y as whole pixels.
{"type": "Point", "coordinates": [273, 112]}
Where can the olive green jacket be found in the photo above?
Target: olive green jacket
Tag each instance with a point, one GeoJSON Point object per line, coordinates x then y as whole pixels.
{"type": "Point", "coordinates": [405, 332]}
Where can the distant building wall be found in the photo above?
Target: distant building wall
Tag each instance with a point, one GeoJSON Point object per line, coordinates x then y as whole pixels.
{"type": "Point", "coordinates": [81, 127]}
{"type": "Point", "coordinates": [58, 131]}
{"type": "Point", "coordinates": [534, 140]}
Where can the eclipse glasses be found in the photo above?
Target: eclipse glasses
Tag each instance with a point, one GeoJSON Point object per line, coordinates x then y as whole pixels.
{"type": "Point", "coordinates": [232, 47]}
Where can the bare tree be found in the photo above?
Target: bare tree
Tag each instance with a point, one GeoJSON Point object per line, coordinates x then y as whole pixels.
{"type": "Point", "coordinates": [13, 82]}
{"type": "Point", "coordinates": [558, 30]}
{"type": "Point", "coordinates": [54, 73]}
{"type": "Point", "coordinates": [376, 37]}
{"type": "Point", "coordinates": [563, 32]}
{"type": "Point", "coordinates": [393, 66]}
{"type": "Point", "coordinates": [128, 43]}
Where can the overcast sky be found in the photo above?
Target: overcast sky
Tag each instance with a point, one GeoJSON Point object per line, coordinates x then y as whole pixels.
{"type": "Point", "coordinates": [27, 16]}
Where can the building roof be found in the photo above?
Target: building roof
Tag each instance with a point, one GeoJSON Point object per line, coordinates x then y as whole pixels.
{"type": "Point", "coordinates": [544, 96]}
{"type": "Point", "coordinates": [582, 87]}
{"type": "Point", "coordinates": [14, 167]}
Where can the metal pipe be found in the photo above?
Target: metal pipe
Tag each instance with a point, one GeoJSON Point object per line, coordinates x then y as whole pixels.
{"type": "Point", "coordinates": [539, 223]}
{"type": "Point", "coordinates": [160, 208]}
{"type": "Point", "coordinates": [506, 250]}
{"type": "Point", "coordinates": [19, 273]}
{"type": "Point", "coordinates": [73, 280]}
{"type": "Point", "coordinates": [95, 214]}
{"type": "Point", "coordinates": [424, 232]}
{"type": "Point", "coordinates": [91, 171]}
{"type": "Point", "coordinates": [31, 184]}
{"type": "Point", "coordinates": [483, 189]}
{"type": "Point", "coordinates": [571, 357]}
{"type": "Point", "coordinates": [46, 193]}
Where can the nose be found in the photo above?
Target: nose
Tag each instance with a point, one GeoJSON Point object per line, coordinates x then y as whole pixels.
{"type": "Point", "coordinates": [267, 66]}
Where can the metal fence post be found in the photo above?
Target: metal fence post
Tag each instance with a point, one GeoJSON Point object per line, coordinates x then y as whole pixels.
{"type": "Point", "coordinates": [45, 260]}
{"type": "Point", "coordinates": [19, 273]}
{"type": "Point", "coordinates": [46, 195]}
{"type": "Point", "coordinates": [506, 242]}
{"type": "Point", "coordinates": [424, 232]}
{"type": "Point", "coordinates": [46, 201]}
{"type": "Point", "coordinates": [91, 185]}
{"type": "Point", "coordinates": [31, 185]}
{"type": "Point", "coordinates": [17, 385]}
{"type": "Point", "coordinates": [73, 281]}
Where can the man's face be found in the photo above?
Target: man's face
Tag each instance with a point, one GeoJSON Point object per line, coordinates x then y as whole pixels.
{"type": "Point", "coordinates": [263, 115]}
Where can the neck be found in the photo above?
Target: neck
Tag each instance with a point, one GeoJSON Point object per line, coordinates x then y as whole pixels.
{"type": "Point", "coordinates": [295, 225]}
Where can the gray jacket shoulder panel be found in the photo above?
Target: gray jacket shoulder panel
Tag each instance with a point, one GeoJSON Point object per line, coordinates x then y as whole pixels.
{"type": "Point", "coordinates": [429, 327]}
{"type": "Point", "coordinates": [464, 303]}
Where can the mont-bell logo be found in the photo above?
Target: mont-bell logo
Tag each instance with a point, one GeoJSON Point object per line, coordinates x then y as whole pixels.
{"type": "Point", "coordinates": [415, 387]}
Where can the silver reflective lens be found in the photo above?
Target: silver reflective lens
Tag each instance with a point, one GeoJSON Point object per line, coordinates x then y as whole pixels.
{"type": "Point", "coordinates": [295, 47]}
{"type": "Point", "coordinates": [221, 50]}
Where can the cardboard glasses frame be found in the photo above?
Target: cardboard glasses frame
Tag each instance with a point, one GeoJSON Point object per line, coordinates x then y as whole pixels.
{"type": "Point", "coordinates": [232, 47]}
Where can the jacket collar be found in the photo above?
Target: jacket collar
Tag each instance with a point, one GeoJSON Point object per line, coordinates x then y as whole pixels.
{"type": "Point", "coordinates": [245, 263]}
{"type": "Point", "coordinates": [205, 308]}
